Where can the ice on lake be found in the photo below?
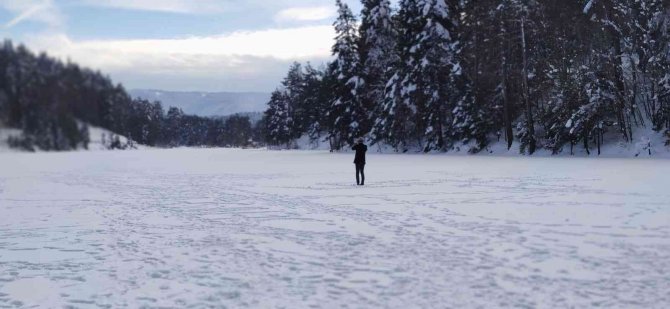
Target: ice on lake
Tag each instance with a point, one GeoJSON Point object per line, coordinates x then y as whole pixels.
{"type": "Point", "coordinates": [263, 229]}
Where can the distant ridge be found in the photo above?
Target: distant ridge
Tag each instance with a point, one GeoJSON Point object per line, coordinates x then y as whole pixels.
{"type": "Point", "coordinates": [207, 103]}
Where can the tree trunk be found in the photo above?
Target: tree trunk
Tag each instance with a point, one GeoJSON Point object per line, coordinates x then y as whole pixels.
{"type": "Point", "coordinates": [526, 92]}
{"type": "Point", "coordinates": [618, 73]}
{"type": "Point", "coordinates": [507, 109]}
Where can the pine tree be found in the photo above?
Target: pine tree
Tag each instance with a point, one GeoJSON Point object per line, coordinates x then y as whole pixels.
{"type": "Point", "coordinates": [314, 102]}
{"type": "Point", "coordinates": [442, 97]}
{"type": "Point", "coordinates": [611, 15]}
{"type": "Point", "coordinates": [4, 102]}
{"type": "Point", "coordinates": [650, 57]}
{"type": "Point", "coordinates": [174, 127]}
{"type": "Point", "coordinates": [522, 67]}
{"type": "Point", "coordinates": [54, 103]}
{"type": "Point", "coordinates": [378, 55]}
{"type": "Point", "coordinates": [346, 113]}
{"type": "Point", "coordinates": [277, 119]}
{"type": "Point", "coordinates": [570, 64]}
{"type": "Point", "coordinates": [564, 72]}
{"type": "Point", "coordinates": [397, 124]}
{"type": "Point", "coordinates": [238, 131]}
{"type": "Point", "coordinates": [483, 54]}
{"type": "Point", "coordinates": [294, 89]}
{"type": "Point", "coordinates": [433, 69]}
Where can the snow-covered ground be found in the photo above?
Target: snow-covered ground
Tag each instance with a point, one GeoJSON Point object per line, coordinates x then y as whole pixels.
{"type": "Point", "coordinates": [232, 228]}
{"type": "Point", "coordinates": [99, 139]}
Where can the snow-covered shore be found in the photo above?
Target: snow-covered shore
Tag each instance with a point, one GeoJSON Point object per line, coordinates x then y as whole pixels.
{"type": "Point", "coordinates": [646, 143]}
{"type": "Point", "coordinates": [287, 229]}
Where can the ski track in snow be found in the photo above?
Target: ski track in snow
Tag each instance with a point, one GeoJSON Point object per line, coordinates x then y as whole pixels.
{"type": "Point", "coordinates": [235, 229]}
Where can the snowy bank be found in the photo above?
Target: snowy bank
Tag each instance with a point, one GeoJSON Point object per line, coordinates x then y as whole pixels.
{"type": "Point", "coordinates": [646, 144]}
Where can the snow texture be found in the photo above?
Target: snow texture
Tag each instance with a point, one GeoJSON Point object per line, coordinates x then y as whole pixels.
{"type": "Point", "coordinates": [99, 139]}
{"type": "Point", "coordinates": [232, 228]}
{"type": "Point", "coordinates": [588, 6]}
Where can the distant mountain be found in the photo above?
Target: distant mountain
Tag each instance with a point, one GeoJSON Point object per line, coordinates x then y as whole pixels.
{"type": "Point", "coordinates": [207, 103]}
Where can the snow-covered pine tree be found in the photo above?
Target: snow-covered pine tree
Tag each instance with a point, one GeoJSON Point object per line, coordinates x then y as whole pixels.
{"type": "Point", "coordinates": [434, 66]}
{"type": "Point", "coordinates": [397, 122]}
{"type": "Point", "coordinates": [563, 72]}
{"type": "Point", "coordinates": [19, 63]}
{"type": "Point", "coordinates": [346, 113]}
{"type": "Point", "coordinates": [482, 40]}
{"type": "Point", "coordinates": [589, 121]}
{"type": "Point", "coordinates": [612, 16]}
{"type": "Point", "coordinates": [294, 89]}
{"type": "Point", "coordinates": [635, 42]}
{"type": "Point", "coordinates": [527, 133]}
{"type": "Point", "coordinates": [444, 103]}
{"type": "Point", "coordinates": [53, 103]}
{"type": "Point", "coordinates": [650, 58]}
{"type": "Point", "coordinates": [315, 102]}
{"type": "Point", "coordinates": [277, 119]}
{"type": "Point", "coordinates": [469, 124]}
{"type": "Point", "coordinates": [173, 127]}
{"type": "Point", "coordinates": [662, 115]}
{"type": "Point", "coordinates": [378, 57]}
{"type": "Point", "coordinates": [522, 21]}
{"type": "Point", "coordinates": [396, 126]}
{"type": "Point", "coordinates": [4, 102]}
{"type": "Point", "coordinates": [564, 99]}
{"type": "Point", "coordinates": [238, 130]}
{"type": "Point", "coordinates": [661, 65]}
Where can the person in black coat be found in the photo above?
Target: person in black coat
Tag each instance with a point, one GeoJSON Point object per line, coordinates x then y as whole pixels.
{"type": "Point", "coordinates": [359, 160]}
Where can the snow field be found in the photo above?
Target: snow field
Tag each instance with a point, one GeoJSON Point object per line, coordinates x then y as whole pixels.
{"type": "Point", "coordinates": [261, 229]}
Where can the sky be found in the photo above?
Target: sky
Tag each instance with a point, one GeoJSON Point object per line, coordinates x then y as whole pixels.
{"type": "Point", "coordinates": [178, 45]}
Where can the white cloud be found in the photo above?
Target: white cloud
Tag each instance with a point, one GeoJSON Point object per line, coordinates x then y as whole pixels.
{"type": "Point", "coordinates": [293, 9]}
{"type": "Point", "coordinates": [244, 56]}
{"type": "Point", "coordinates": [242, 60]}
{"type": "Point", "coordinates": [306, 14]}
{"type": "Point", "coordinates": [173, 6]}
{"type": "Point", "coordinates": [43, 11]}
{"type": "Point", "coordinates": [285, 44]}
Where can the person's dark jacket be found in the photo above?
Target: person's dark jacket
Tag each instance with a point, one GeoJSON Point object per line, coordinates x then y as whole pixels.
{"type": "Point", "coordinates": [360, 153]}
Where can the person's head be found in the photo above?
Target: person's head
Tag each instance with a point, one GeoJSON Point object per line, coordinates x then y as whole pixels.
{"type": "Point", "coordinates": [360, 140]}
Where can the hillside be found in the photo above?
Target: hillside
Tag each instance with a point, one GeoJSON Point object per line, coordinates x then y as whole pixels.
{"type": "Point", "coordinates": [53, 106]}
{"type": "Point", "coordinates": [207, 103]}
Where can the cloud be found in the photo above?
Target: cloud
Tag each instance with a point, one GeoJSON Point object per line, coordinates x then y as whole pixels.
{"type": "Point", "coordinates": [244, 56]}
{"type": "Point", "coordinates": [172, 6]}
{"type": "Point", "coordinates": [43, 11]}
{"type": "Point", "coordinates": [238, 61]}
{"type": "Point", "coordinates": [301, 10]}
{"type": "Point", "coordinates": [264, 75]}
{"type": "Point", "coordinates": [306, 14]}
{"type": "Point", "coordinates": [286, 44]}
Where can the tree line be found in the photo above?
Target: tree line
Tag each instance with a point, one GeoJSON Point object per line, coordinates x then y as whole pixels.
{"type": "Point", "coordinates": [440, 74]}
{"type": "Point", "coordinates": [53, 103]}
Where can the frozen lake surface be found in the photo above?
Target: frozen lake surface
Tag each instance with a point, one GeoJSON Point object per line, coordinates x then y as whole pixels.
{"type": "Point", "coordinates": [233, 228]}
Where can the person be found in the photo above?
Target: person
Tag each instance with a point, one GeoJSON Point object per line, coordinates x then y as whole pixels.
{"type": "Point", "coordinates": [359, 160]}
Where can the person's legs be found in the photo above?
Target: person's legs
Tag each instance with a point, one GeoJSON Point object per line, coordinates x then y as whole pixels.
{"type": "Point", "coordinates": [358, 170]}
{"type": "Point", "coordinates": [362, 174]}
